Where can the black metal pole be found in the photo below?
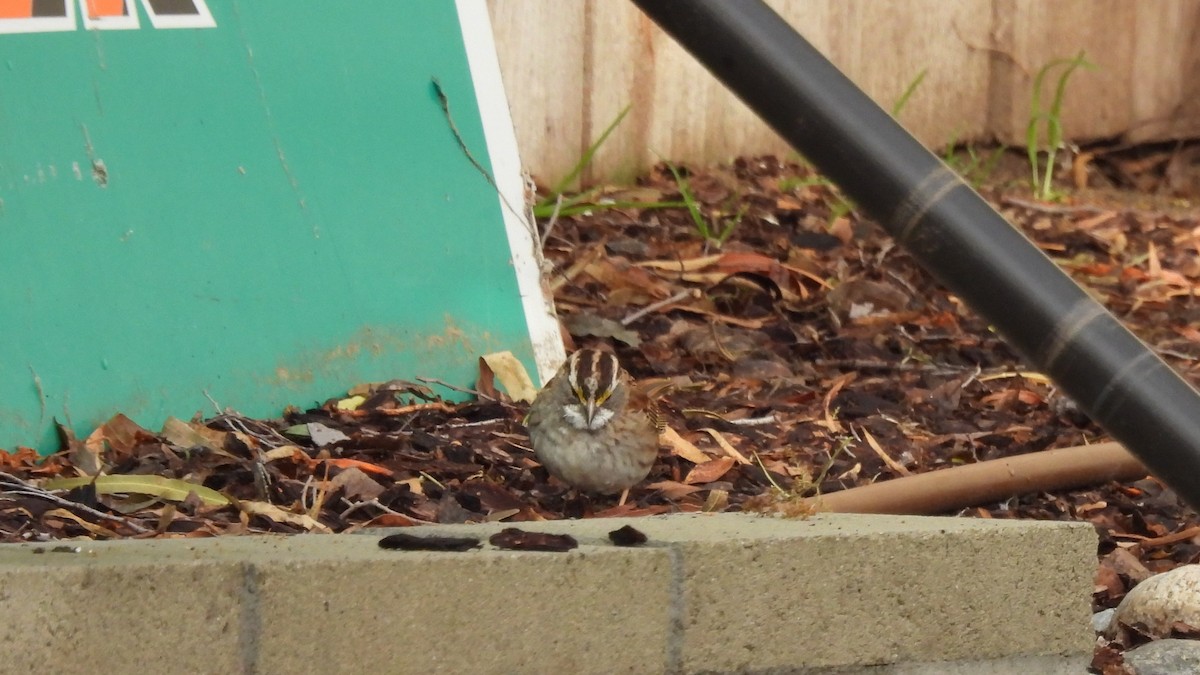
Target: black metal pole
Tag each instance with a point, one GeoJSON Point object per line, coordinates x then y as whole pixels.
{"type": "Point", "coordinates": [949, 228]}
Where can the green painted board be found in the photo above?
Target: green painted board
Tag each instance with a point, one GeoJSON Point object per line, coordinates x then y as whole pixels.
{"type": "Point", "coordinates": [263, 206]}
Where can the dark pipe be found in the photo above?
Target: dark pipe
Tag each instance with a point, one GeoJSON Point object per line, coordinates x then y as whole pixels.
{"type": "Point", "coordinates": [949, 228]}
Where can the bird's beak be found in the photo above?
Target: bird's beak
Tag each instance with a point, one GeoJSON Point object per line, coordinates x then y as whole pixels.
{"type": "Point", "coordinates": [590, 409]}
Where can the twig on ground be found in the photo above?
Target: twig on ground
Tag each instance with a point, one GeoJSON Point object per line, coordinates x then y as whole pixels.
{"type": "Point", "coordinates": [374, 503]}
{"type": "Point", "coordinates": [655, 306]}
{"type": "Point", "coordinates": [553, 220]}
{"type": "Point", "coordinates": [451, 387]}
{"type": "Point", "coordinates": [10, 484]}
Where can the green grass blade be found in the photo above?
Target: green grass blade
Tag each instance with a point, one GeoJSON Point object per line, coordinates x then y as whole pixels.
{"type": "Point", "coordinates": [908, 92]}
{"type": "Point", "coordinates": [690, 201]}
{"type": "Point", "coordinates": [586, 158]}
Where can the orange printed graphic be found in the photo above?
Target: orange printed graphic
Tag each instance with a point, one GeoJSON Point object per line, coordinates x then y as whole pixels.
{"type": "Point", "coordinates": [16, 9]}
{"type": "Point", "coordinates": [102, 8]}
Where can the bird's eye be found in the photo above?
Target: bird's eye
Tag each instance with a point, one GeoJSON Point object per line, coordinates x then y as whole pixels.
{"type": "Point", "coordinates": [579, 395]}
{"type": "Point", "coordinates": [603, 396]}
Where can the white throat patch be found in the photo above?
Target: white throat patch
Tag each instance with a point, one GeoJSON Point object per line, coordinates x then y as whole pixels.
{"type": "Point", "coordinates": [577, 417]}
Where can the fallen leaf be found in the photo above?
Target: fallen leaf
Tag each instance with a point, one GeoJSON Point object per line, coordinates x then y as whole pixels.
{"type": "Point", "coordinates": [350, 403]}
{"type": "Point", "coordinates": [673, 489]}
{"type": "Point", "coordinates": [21, 459]}
{"type": "Point", "coordinates": [193, 435]}
{"type": "Point", "coordinates": [282, 452]}
{"type": "Point", "coordinates": [717, 501]}
{"type": "Point", "coordinates": [726, 446]}
{"type": "Point", "coordinates": [681, 447]}
{"type": "Point", "coordinates": [110, 442]}
{"type": "Point", "coordinates": [272, 512]}
{"type": "Point", "coordinates": [512, 376]}
{"type": "Point", "coordinates": [887, 459]}
{"type": "Point", "coordinates": [692, 265]}
{"type": "Point", "coordinates": [587, 324]}
{"type": "Point", "coordinates": [171, 489]}
{"type": "Point", "coordinates": [346, 463]}
{"type": "Point", "coordinates": [98, 530]}
{"type": "Point", "coordinates": [322, 435]}
{"type": "Point", "coordinates": [356, 485]}
{"type": "Point", "coordinates": [709, 471]}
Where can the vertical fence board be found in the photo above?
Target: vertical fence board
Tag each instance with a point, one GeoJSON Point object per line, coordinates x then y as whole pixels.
{"type": "Point", "coordinates": [571, 67]}
{"type": "Point", "coordinates": [1165, 91]}
{"type": "Point", "coordinates": [540, 44]}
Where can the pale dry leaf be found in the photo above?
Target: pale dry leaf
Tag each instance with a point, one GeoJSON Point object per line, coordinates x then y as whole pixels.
{"type": "Point", "coordinates": [709, 471]}
{"type": "Point", "coordinates": [272, 512]}
{"type": "Point", "coordinates": [356, 485]}
{"type": "Point", "coordinates": [673, 489]}
{"type": "Point", "coordinates": [193, 435]}
{"type": "Point", "coordinates": [691, 265]}
{"type": "Point", "coordinates": [725, 445]}
{"type": "Point", "coordinates": [282, 452]}
{"type": "Point", "coordinates": [97, 530]}
{"type": "Point", "coordinates": [323, 435]}
{"type": "Point", "coordinates": [718, 500]}
{"type": "Point", "coordinates": [512, 376]}
{"type": "Point", "coordinates": [892, 464]}
{"type": "Point", "coordinates": [681, 447]}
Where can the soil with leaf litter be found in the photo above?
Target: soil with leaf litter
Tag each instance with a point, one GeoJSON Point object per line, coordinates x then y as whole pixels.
{"type": "Point", "coordinates": [804, 354]}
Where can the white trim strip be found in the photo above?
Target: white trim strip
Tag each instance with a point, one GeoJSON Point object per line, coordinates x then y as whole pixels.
{"type": "Point", "coordinates": [476, 26]}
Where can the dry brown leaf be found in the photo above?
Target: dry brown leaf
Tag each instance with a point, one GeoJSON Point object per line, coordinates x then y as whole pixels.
{"type": "Point", "coordinates": [892, 464]}
{"type": "Point", "coordinates": [283, 452]}
{"type": "Point", "coordinates": [356, 485]}
{"type": "Point", "coordinates": [682, 448]}
{"type": "Point", "coordinates": [98, 530]}
{"type": "Point", "coordinates": [512, 376]}
{"type": "Point", "coordinates": [111, 441]}
{"type": "Point", "coordinates": [681, 266]}
{"type": "Point", "coordinates": [725, 445]}
{"type": "Point", "coordinates": [709, 471]}
{"type": "Point", "coordinates": [673, 489]}
{"type": "Point", "coordinates": [272, 512]}
{"type": "Point", "coordinates": [193, 434]}
{"type": "Point", "coordinates": [717, 501]}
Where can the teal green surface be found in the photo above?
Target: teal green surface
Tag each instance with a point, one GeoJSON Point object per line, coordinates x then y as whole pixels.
{"type": "Point", "coordinates": [286, 213]}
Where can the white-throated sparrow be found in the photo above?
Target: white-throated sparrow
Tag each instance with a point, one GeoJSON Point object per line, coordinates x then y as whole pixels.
{"type": "Point", "coordinates": [591, 428]}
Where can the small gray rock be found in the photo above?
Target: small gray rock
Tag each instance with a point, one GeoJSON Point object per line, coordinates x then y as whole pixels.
{"type": "Point", "coordinates": [1165, 657]}
{"type": "Point", "coordinates": [1102, 620]}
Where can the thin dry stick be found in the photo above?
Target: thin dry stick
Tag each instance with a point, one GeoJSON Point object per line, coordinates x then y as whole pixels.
{"type": "Point", "coordinates": [13, 485]}
{"type": "Point", "coordinates": [655, 306]}
{"type": "Point", "coordinates": [464, 390]}
{"type": "Point", "coordinates": [553, 220]}
{"type": "Point", "coordinates": [375, 503]}
{"type": "Point", "coordinates": [444, 101]}
{"type": "Point", "coordinates": [1166, 539]}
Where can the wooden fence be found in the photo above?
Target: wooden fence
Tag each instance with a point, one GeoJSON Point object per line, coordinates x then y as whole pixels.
{"type": "Point", "coordinates": [571, 66]}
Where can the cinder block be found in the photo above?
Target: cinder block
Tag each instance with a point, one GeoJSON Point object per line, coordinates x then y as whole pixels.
{"type": "Point", "coordinates": [119, 607]}
{"type": "Point", "coordinates": [850, 590]}
{"type": "Point", "coordinates": [708, 593]}
{"type": "Point", "coordinates": [343, 605]}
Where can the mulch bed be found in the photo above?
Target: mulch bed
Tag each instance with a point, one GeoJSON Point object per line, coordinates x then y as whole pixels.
{"type": "Point", "coordinates": [806, 353]}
